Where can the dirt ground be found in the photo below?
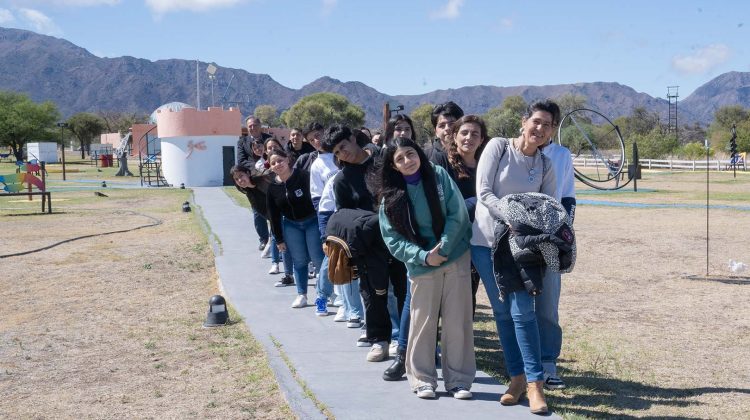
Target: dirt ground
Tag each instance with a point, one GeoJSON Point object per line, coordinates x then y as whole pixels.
{"type": "Point", "coordinates": [111, 326]}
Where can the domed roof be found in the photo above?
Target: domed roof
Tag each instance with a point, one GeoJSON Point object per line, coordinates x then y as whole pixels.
{"type": "Point", "coordinates": [172, 106]}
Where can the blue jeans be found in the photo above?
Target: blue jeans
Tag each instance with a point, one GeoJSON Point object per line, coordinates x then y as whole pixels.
{"type": "Point", "coordinates": [550, 332]}
{"type": "Point", "coordinates": [261, 226]}
{"type": "Point", "coordinates": [276, 256]}
{"type": "Point", "coordinates": [403, 338]}
{"type": "Point", "coordinates": [302, 239]}
{"type": "Point", "coordinates": [323, 286]}
{"type": "Point", "coordinates": [393, 312]}
{"type": "Point", "coordinates": [352, 300]}
{"type": "Point", "coordinates": [516, 321]}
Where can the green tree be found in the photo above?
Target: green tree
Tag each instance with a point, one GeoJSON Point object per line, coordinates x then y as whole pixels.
{"type": "Point", "coordinates": [324, 108]}
{"type": "Point", "coordinates": [120, 122]}
{"type": "Point", "coordinates": [85, 127]}
{"type": "Point", "coordinates": [22, 120]}
{"type": "Point", "coordinates": [694, 151]}
{"type": "Point", "coordinates": [505, 120]}
{"type": "Point", "coordinates": [421, 117]}
{"type": "Point", "coordinates": [569, 102]}
{"type": "Point", "coordinates": [268, 115]}
{"type": "Point", "coordinates": [719, 132]}
{"type": "Point", "coordinates": [655, 144]}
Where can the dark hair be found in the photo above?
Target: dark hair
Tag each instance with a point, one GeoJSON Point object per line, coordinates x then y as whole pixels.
{"type": "Point", "coordinates": [362, 138]}
{"type": "Point", "coordinates": [283, 153]}
{"type": "Point", "coordinates": [545, 105]}
{"type": "Point", "coordinates": [454, 158]}
{"type": "Point", "coordinates": [449, 108]}
{"type": "Point", "coordinates": [391, 127]}
{"type": "Point", "coordinates": [335, 135]}
{"type": "Point", "coordinates": [313, 126]}
{"type": "Point", "coordinates": [366, 131]}
{"type": "Point", "coordinates": [265, 146]}
{"type": "Point", "coordinates": [391, 190]}
{"type": "Point", "coordinates": [239, 169]}
{"type": "Point", "coordinates": [253, 117]}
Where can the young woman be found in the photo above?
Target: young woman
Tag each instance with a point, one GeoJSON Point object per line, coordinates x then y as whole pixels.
{"type": "Point", "coordinates": [468, 139]}
{"type": "Point", "coordinates": [509, 166]}
{"type": "Point", "coordinates": [294, 222]}
{"type": "Point", "coordinates": [270, 145]}
{"type": "Point", "coordinates": [424, 223]}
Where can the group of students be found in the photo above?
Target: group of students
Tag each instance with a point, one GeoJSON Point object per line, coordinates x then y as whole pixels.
{"type": "Point", "coordinates": [419, 226]}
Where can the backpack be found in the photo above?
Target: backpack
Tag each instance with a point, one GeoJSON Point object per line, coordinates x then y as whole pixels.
{"type": "Point", "coordinates": [341, 267]}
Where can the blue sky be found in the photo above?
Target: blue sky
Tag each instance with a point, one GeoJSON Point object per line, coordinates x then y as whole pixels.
{"type": "Point", "coordinates": [412, 47]}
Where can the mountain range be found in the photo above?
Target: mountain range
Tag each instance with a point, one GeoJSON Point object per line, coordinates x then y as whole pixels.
{"type": "Point", "coordinates": [49, 68]}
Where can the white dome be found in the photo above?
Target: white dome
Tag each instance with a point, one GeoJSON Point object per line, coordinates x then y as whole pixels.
{"type": "Point", "coordinates": [172, 106]}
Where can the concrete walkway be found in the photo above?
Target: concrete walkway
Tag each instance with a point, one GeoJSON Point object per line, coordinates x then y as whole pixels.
{"type": "Point", "coordinates": [322, 352]}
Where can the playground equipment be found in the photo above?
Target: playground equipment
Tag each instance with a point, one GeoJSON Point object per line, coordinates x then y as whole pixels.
{"type": "Point", "coordinates": [586, 132]}
{"type": "Point", "coordinates": [26, 174]}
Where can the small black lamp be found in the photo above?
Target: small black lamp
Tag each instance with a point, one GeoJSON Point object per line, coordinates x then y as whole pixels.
{"type": "Point", "coordinates": [104, 184]}
{"type": "Point", "coordinates": [186, 207]}
{"type": "Point", "coordinates": [182, 186]}
{"type": "Point", "coordinates": [217, 312]}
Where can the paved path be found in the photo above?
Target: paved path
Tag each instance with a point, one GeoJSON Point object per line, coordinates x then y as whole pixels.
{"type": "Point", "coordinates": [322, 352]}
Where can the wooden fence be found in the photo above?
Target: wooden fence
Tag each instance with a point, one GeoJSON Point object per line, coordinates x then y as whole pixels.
{"type": "Point", "coordinates": [669, 164]}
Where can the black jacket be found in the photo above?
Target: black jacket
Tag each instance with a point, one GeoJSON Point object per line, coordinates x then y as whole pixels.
{"type": "Point", "coordinates": [305, 149]}
{"type": "Point", "coordinates": [290, 199]}
{"type": "Point", "coordinates": [350, 186]}
{"type": "Point", "coordinates": [437, 155]}
{"type": "Point", "coordinates": [245, 155]}
{"type": "Point", "coordinates": [257, 195]}
{"type": "Point", "coordinates": [360, 229]}
{"type": "Point", "coordinates": [305, 161]}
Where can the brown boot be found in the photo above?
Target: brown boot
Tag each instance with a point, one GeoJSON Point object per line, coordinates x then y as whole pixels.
{"type": "Point", "coordinates": [515, 391]}
{"type": "Point", "coordinates": [535, 392]}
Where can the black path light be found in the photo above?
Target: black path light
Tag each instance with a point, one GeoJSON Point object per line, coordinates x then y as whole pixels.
{"type": "Point", "coordinates": [217, 312]}
{"type": "Point", "coordinates": [186, 207]}
{"type": "Point", "coordinates": [182, 186]}
{"type": "Point", "coordinates": [104, 184]}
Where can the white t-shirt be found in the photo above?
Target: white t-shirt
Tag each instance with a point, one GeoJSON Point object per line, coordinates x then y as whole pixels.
{"type": "Point", "coordinates": [562, 162]}
{"type": "Point", "coordinates": [321, 170]}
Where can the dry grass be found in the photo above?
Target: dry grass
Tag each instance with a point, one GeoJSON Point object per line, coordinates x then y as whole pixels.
{"type": "Point", "coordinates": [111, 326]}
{"type": "Point", "coordinates": [642, 339]}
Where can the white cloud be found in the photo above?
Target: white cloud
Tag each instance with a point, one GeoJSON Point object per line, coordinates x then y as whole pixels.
{"type": "Point", "coordinates": [449, 11]}
{"type": "Point", "coordinates": [166, 6]}
{"type": "Point", "coordinates": [702, 60]}
{"type": "Point", "coordinates": [6, 16]}
{"type": "Point", "coordinates": [328, 6]}
{"type": "Point", "coordinates": [506, 24]}
{"type": "Point", "coordinates": [39, 22]}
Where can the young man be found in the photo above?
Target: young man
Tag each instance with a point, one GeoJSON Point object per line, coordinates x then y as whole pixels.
{"type": "Point", "coordinates": [351, 191]}
{"type": "Point", "coordinates": [442, 118]}
{"type": "Point", "coordinates": [247, 157]}
{"type": "Point", "coordinates": [547, 303]}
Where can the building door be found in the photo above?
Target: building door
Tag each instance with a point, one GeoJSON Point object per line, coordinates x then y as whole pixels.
{"type": "Point", "coordinates": [228, 157]}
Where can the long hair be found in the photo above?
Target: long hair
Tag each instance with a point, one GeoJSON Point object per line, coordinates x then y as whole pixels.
{"type": "Point", "coordinates": [454, 158]}
{"type": "Point", "coordinates": [391, 190]}
{"type": "Point", "coordinates": [391, 127]}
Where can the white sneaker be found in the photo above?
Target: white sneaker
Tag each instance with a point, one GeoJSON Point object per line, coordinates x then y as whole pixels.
{"type": "Point", "coordinates": [340, 315]}
{"type": "Point", "coordinates": [362, 341]}
{"type": "Point", "coordinates": [393, 349]}
{"type": "Point", "coordinates": [300, 302]}
{"type": "Point", "coordinates": [266, 251]}
{"type": "Point", "coordinates": [354, 323]}
{"type": "Point", "coordinates": [378, 352]}
{"type": "Point", "coordinates": [274, 268]}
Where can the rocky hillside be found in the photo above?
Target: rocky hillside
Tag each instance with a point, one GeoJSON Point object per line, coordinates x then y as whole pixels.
{"type": "Point", "coordinates": [48, 68]}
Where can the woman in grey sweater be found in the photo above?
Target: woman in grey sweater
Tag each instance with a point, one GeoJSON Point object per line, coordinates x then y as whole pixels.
{"type": "Point", "coordinates": [509, 166]}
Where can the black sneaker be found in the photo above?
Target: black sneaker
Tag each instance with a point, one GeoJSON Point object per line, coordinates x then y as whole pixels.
{"type": "Point", "coordinates": [553, 382]}
{"type": "Point", "coordinates": [261, 246]}
{"type": "Point", "coordinates": [287, 280]}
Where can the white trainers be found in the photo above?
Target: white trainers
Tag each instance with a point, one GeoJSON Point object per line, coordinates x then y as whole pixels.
{"type": "Point", "coordinates": [425, 391]}
{"type": "Point", "coordinates": [461, 393]}
{"type": "Point", "coordinates": [266, 251]}
{"type": "Point", "coordinates": [274, 268]}
{"type": "Point", "coordinates": [354, 323]}
{"type": "Point", "coordinates": [363, 341]}
{"type": "Point", "coordinates": [300, 301]}
{"type": "Point", "coordinates": [393, 349]}
{"type": "Point", "coordinates": [378, 352]}
{"type": "Point", "coordinates": [340, 315]}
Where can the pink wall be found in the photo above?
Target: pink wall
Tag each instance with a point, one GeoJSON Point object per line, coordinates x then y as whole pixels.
{"type": "Point", "coordinates": [139, 146]}
{"type": "Point", "coordinates": [110, 138]}
{"type": "Point", "coordinates": [191, 122]}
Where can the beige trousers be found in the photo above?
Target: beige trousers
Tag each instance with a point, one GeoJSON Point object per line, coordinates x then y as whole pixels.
{"type": "Point", "coordinates": [444, 292]}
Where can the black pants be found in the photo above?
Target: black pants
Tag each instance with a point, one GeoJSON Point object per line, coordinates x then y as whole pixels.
{"type": "Point", "coordinates": [377, 319]}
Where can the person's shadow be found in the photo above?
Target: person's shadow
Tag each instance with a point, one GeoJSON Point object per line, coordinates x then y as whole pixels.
{"type": "Point", "coordinates": [591, 394]}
